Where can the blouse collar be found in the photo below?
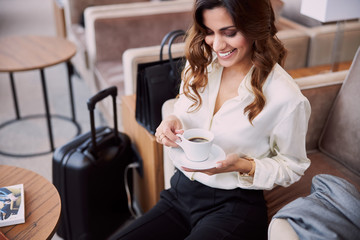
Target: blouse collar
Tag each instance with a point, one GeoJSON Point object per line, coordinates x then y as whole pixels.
{"type": "Point", "coordinates": [245, 85]}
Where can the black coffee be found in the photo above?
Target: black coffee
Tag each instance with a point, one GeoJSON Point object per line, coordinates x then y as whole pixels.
{"type": "Point", "coordinates": [198, 139]}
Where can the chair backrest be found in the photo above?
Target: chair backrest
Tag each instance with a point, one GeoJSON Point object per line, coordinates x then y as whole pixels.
{"type": "Point", "coordinates": [138, 24]}
{"type": "Point", "coordinates": [341, 135]}
{"type": "Point", "coordinates": [75, 8]}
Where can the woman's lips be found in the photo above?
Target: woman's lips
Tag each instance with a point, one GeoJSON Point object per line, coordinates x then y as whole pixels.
{"type": "Point", "coordinates": [226, 54]}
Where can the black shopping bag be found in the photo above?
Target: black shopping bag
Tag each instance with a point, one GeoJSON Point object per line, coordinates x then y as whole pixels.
{"type": "Point", "coordinates": [157, 82]}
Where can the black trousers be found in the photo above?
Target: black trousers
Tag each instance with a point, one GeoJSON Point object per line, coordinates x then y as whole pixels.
{"type": "Point", "coordinates": [191, 210]}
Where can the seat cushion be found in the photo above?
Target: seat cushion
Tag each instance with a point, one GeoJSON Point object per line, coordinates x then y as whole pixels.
{"type": "Point", "coordinates": [320, 163]}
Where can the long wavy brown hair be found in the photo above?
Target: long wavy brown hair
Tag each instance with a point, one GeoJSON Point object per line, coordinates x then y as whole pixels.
{"type": "Point", "coordinates": [255, 20]}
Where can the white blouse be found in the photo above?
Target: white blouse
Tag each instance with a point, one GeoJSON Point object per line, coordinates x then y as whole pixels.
{"type": "Point", "coordinates": [276, 140]}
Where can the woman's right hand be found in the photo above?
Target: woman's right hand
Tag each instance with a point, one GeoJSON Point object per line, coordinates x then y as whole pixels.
{"type": "Point", "coordinates": [167, 130]}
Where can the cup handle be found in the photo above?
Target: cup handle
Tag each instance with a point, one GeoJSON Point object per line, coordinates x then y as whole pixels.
{"type": "Point", "coordinates": [180, 141]}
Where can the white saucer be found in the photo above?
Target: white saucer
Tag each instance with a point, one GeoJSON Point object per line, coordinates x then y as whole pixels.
{"type": "Point", "coordinates": [179, 159]}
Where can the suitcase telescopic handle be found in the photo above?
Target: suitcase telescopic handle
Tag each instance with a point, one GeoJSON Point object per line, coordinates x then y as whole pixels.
{"type": "Point", "coordinates": [111, 91]}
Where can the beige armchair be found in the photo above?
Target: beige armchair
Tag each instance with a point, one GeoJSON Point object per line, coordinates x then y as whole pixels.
{"type": "Point", "coordinates": [75, 30]}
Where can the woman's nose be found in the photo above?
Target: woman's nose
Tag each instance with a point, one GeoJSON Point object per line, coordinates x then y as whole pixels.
{"type": "Point", "coordinates": [218, 43]}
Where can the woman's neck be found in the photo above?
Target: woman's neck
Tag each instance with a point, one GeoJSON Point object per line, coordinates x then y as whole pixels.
{"type": "Point", "coordinates": [240, 69]}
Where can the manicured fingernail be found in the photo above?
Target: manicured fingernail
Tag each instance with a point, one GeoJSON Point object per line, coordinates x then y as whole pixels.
{"type": "Point", "coordinates": [218, 165]}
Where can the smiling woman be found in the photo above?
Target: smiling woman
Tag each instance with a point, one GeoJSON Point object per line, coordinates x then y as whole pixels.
{"type": "Point", "coordinates": [234, 86]}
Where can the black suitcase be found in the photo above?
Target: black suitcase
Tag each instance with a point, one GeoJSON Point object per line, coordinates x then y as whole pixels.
{"type": "Point", "coordinates": [89, 174]}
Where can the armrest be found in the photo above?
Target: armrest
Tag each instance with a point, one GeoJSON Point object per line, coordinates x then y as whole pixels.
{"type": "Point", "coordinates": [321, 80]}
{"type": "Point", "coordinates": [112, 29]}
{"type": "Point", "coordinates": [280, 229]}
{"type": "Point", "coordinates": [169, 167]}
{"type": "Point", "coordinates": [133, 57]}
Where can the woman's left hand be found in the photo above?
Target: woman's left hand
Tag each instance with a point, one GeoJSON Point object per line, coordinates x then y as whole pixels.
{"type": "Point", "coordinates": [232, 163]}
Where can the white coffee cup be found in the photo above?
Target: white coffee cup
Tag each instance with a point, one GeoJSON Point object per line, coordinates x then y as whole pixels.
{"type": "Point", "coordinates": [196, 143]}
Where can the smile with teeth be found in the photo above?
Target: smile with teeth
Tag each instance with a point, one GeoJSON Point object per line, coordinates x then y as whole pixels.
{"type": "Point", "coordinates": [226, 53]}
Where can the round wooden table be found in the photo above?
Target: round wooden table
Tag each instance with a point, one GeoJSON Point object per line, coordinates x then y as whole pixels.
{"type": "Point", "coordinates": [23, 53]}
{"type": "Point", "coordinates": [42, 204]}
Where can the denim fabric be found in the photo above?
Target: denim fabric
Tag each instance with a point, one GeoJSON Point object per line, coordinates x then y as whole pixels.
{"type": "Point", "coordinates": [331, 211]}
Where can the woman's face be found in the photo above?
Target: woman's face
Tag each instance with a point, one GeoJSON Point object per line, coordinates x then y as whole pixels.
{"type": "Point", "coordinates": [231, 47]}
